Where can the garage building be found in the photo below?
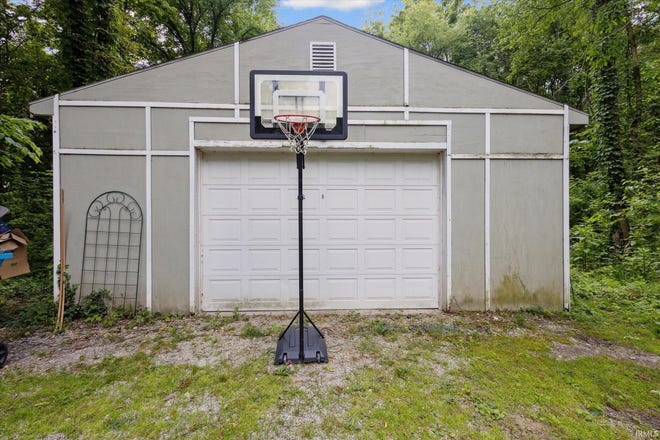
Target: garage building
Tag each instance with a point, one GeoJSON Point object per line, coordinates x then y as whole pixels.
{"type": "Point", "coordinates": [451, 190]}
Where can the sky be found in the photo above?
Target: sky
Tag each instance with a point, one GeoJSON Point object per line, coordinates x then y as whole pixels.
{"type": "Point", "coordinates": [354, 13]}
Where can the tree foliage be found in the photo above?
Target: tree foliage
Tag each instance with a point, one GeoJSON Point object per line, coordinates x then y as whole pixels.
{"type": "Point", "coordinates": [16, 144]}
{"type": "Point", "coordinates": [166, 29]}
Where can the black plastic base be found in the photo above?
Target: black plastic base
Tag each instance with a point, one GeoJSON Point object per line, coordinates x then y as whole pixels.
{"type": "Point", "coordinates": [288, 346]}
{"type": "Point", "coordinates": [4, 351]}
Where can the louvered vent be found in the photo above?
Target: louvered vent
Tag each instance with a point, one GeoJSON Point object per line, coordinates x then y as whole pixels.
{"type": "Point", "coordinates": [323, 56]}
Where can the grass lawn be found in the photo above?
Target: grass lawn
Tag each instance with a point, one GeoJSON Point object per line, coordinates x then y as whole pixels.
{"type": "Point", "coordinates": [391, 375]}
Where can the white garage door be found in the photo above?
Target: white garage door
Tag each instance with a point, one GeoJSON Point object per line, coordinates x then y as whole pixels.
{"type": "Point", "coordinates": [371, 231]}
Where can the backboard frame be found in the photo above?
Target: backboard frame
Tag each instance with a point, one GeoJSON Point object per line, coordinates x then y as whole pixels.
{"type": "Point", "coordinates": [258, 131]}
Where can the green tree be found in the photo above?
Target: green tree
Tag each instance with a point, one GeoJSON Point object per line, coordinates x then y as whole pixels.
{"type": "Point", "coordinates": [15, 142]}
{"type": "Point", "coordinates": [171, 28]}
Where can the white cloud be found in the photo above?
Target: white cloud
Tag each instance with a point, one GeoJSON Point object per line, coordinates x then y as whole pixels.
{"type": "Point", "coordinates": [342, 5]}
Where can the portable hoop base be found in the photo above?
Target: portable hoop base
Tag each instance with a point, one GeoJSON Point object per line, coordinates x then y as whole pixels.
{"type": "Point", "coordinates": [288, 344]}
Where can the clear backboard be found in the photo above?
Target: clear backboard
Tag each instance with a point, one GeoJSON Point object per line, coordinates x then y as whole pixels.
{"type": "Point", "coordinates": [277, 92]}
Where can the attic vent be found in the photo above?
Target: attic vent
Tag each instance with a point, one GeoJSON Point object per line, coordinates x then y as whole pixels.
{"type": "Point", "coordinates": [323, 55]}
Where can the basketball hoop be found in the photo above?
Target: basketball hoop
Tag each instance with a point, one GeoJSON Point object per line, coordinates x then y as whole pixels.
{"type": "Point", "coordinates": [298, 129]}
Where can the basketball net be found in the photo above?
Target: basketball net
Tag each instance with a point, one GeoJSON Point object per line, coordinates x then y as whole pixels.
{"type": "Point", "coordinates": [298, 129]}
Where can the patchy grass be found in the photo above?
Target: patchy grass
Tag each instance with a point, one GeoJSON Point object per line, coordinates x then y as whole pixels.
{"type": "Point", "coordinates": [391, 375]}
{"type": "Point", "coordinates": [627, 313]}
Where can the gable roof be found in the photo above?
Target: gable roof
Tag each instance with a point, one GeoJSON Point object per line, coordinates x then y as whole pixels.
{"type": "Point", "coordinates": [206, 65]}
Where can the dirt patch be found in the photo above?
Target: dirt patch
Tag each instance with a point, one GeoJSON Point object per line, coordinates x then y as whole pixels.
{"type": "Point", "coordinates": [524, 427]}
{"type": "Point", "coordinates": [632, 420]}
{"type": "Point", "coordinates": [589, 347]}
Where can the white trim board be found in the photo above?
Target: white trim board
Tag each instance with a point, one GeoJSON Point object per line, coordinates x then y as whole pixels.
{"type": "Point", "coordinates": [509, 156]}
{"type": "Point", "coordinates": [148, 195]}
{"type": "Point", "coordinates": [448, 219]}
{"type": "Point", "coordinates": [565, 209]}
{"type": "Point", "coordinates": [325, 146]}
{"type": "Point", "coordinates": [379, 122]}
{"type": "Point", "coordinates": [154, 104]}
{"type": "Point", "coordinates": [386, 109]}
{"type": "Point", "coordinates": [95, 152]}
{"type": "Point", "coordinates": [487, 183]}
{"type": "Point", "coordinates": [192, 220]}
{"type": "Point", "coordinates": [56, 193]}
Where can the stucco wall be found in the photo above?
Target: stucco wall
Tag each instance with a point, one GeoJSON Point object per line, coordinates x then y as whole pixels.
{"type": "Point", "coordinates": [526, 234]}
{"type": "Point", "coordinates": [170, 219]}
{"type": "Point", "coordinates": [468, 261]}
{"type": "Point", "coordinates": [116, 128]}
{"type": "Point", "coordinates": [83, 179]}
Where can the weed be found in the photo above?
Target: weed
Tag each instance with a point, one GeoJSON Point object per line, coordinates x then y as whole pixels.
{"type": "Point", "coordinates": [93, 307]}
{"type": "Point", "coordinates": [520, 320]}
{"type": "Point", "coordinates": [250, 331]}
{"type": "Point", "coordinates": [380, 327]}
{"type": "Point", "coordinates": [433, 330]}
{"type": "Point", "coordinates": [283, 370]}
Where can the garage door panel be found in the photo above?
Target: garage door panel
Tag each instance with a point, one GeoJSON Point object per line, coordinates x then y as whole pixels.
{"type": "Point", "coordinates": [311, 230]}
{"type": "Point", "coordinates": [311, 261]}
{"type": "Point", "coordinates": [371, 226]}
{"type": "Point", "coordinates": [312, 201]}
{"type": "Point", "coordinates": [219, 200]}
{"type": "Point", "coordinates": [230, 288]}
{"type": "Point", "coordinates": [341, 201]}
{"type": "Point", "coordinates": [264, 171]}
{"type": "Point", "coordinates": [264, 260]}
{"type": "Point", "coordinates": [222, 230]}
{"type": "Point", "coordinates": [380, 260]}
{"type": "Point", "coordinates": [341, 289]}
{"type": "Point", "coordinates": [341, 229]}
{"type": "Point", "coordinates": [264, 201]}
{"type": "Point", "coordinates": [379, 229]}
{"type": "Point", "coordinates": [416, 172]}
{"type": "Point", "coordinates": [380, 172]}
{"type": "Point", "coordinates": [419, 288]}
{"type": "Point", "coordinates": [263, 230]}
{"type": "Point", "coordinates": [380, 288]}
{"type": "Point", "coordinates": [416, 230]}
{"type": "Point", "coordinates": [312, 173]}
{"type": "Point", "coordinates": [380, 200]}
{"type": "Point", "coordinates": [341, 260]}
{"type": "Point", "coordinates": [264, 289]}
{"type": "Point", "coordinates": [223, 260]}
{"type": "Point", "coordinates": [344, 172]}
{"type": "Point", "coordinates": [312, 288]}
{"type": "Point", "coordinates": [222, 172]}
{"type": "Point", "coordinates": [420, 201]}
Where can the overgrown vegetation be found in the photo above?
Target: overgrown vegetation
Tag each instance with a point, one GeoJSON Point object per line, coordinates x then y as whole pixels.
{"type": "Point", "coordinates": [614, 310]}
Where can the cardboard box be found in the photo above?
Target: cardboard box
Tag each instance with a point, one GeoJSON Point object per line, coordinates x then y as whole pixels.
{"type": "Point", "coordinates": [16, 242]}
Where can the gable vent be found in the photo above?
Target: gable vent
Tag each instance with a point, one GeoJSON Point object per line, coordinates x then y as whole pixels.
{"type": "Point", "coordinates": [323, 55]}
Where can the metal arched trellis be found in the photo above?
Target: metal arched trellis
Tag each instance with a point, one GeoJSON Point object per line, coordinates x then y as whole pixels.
{"type": "Point", "coordinates": [113, 240]}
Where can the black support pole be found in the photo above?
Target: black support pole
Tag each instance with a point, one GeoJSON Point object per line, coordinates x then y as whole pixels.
{"type": "Point", "coordinates": [300, 160]}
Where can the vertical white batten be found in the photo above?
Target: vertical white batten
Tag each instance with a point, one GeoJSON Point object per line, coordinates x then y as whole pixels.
{"type": "Point", "coordinates": [56, 193]}
{"type": "Point", "coordinates": [149, 242]}
{"type": "Point", "coordinates": [487, 214]}
{"type": "Point", "coordinates": [566, 206]}
{"type": "Point", "coordinates": [192, 227]}
{"type": "Point", "coordinates": [406, 82]}
{"type": "Point", "coordinates": [448, 213]}
{"type": "Point", "coordinates": [237, 83]}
